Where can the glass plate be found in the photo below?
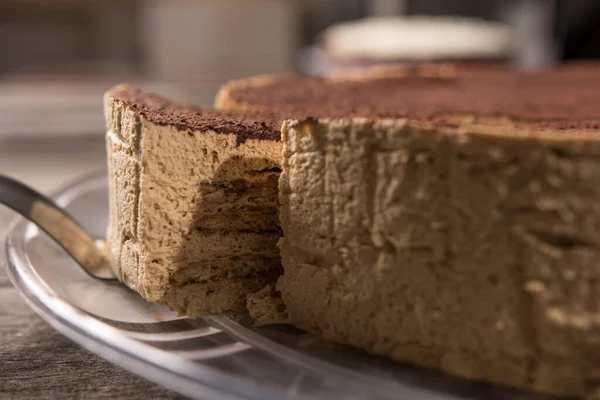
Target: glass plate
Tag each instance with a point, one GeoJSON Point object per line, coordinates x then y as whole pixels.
{"type": "Point", "coordinates": [213, 357]}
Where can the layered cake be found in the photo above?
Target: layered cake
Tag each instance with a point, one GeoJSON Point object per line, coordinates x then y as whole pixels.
{"type": "Point", "coordinates": [193, 201]}
{"type": "Point", "coordinates": [447, 220]}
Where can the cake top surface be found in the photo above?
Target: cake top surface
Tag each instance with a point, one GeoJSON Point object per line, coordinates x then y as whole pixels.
{"type": "Point", "coordinates": [161, 111]}
{"type": "Point", "coordinates": [560, 98]}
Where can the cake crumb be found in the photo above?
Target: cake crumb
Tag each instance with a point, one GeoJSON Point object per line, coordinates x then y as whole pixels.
{"type": "Point", "coordinates": [266, 306]}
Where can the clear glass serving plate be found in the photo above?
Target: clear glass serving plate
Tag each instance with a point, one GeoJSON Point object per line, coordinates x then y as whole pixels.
{"type": "Point", "coordinates": [213, 357]}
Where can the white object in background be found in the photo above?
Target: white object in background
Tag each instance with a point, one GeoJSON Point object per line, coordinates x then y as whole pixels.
{"type": "Point", "coordinates": [418, 38]}
{"type": "Point", "coordinates": [206, 42]}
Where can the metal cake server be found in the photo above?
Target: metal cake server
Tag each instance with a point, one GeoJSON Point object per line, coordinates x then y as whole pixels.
{"type": "Point", "coordinates": [57, 224]}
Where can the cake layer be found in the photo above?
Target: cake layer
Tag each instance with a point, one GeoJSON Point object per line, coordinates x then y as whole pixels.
{"type": "Point", "coordinates": [213, 297]}
{"type": "Point", "coordinates": [216, 268]}
{"type": "Point", "coordinates": [458, 249]}
{"type": "Point", "coordinates": [193, 201]}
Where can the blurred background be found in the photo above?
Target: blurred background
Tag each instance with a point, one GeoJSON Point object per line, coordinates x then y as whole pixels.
{"type": "Point", "coordinates": [57, 57]}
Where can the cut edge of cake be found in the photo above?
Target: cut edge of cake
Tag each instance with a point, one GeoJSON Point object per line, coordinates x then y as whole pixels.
{"type": "Point", "coordinates": [193, 213]}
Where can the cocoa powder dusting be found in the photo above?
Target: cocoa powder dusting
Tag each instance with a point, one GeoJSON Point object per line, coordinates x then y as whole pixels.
{"type": "Point", "coordinates": [559, 98]}
{"type": "Point", "coordinates": [161, 111]}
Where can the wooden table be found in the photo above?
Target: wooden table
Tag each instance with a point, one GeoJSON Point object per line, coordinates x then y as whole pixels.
{"type": "Point", "coordinates": [37, 362]}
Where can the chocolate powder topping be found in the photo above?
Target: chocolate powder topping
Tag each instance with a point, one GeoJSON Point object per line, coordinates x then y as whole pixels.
{"type": "Point", "coordinates": [560, 98]}
{"type": "Point", "coordinates": [161, 111]}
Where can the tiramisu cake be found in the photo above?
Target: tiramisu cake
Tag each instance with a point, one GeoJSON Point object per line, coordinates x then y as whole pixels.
{"type": "Point", "coordinates": [449, 221]}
